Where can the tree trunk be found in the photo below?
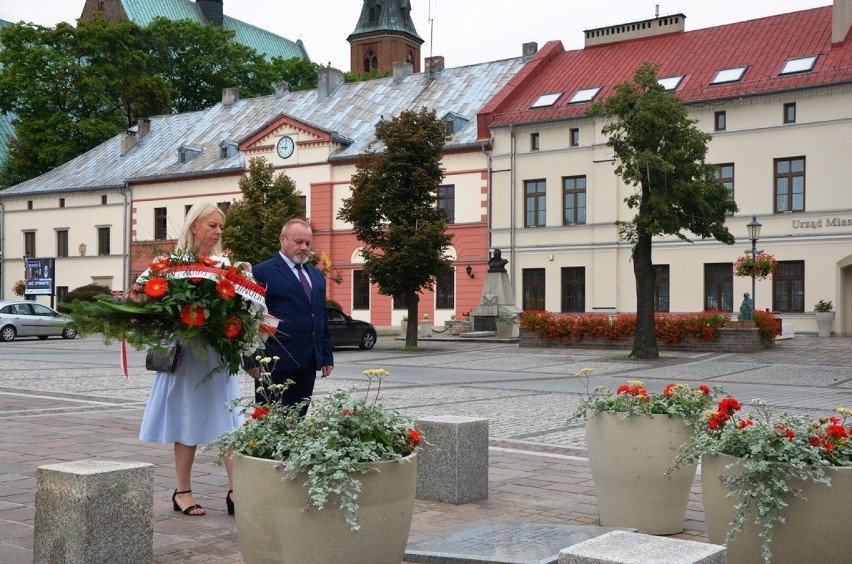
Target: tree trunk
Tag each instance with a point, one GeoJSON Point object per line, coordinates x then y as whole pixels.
{"type": "Point", "coordinates": [413, 301]}
{"type": "Point", "coordinates": [645, 341]}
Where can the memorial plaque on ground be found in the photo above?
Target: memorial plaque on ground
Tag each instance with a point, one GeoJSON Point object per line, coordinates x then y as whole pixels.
{"type": "Point", "coordinates": [502, 543]}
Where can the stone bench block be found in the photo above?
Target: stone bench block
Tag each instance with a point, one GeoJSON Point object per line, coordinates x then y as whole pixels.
{"type": "Point", "coordinates": [622, 547]}
{"type": "Point", "coordinates": [453, 467]}
{"type": "Point", "coordinates": [94, 511]}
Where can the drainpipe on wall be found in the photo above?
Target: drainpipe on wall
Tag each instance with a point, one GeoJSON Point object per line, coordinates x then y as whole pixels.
{"type": "Point", "coordinates": [512, 261]}
{"type": "Point", "coordinates": [125, 270]}
{"type": "Point", "coordinates": [2, 248]}
{"type": "Point", "coordinates": [488, 181]}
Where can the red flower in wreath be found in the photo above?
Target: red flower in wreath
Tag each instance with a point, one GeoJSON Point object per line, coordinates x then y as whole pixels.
{"type": "Point", "coordinates": [233, 327]}
{"type": "Point", "coordinates": [192, 315]}
{"type": "Point", "coordinates": [225, 289]}
{"type": "Point", "coordinates": [156, 287]}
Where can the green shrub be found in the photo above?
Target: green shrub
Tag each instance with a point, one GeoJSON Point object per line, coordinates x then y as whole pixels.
{"type": "Point", "coordinates": [87, 293]}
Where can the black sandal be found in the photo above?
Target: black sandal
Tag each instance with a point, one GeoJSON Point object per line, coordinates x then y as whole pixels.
{"type": "Point", "coordinates": [189, 510]}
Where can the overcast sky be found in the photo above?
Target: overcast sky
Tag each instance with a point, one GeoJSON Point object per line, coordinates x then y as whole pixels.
{"type": "Point", "coordinates": [464, 32]}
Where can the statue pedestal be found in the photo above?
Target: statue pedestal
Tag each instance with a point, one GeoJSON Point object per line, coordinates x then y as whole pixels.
{"type": "Point", "coordinates": [498, 300]}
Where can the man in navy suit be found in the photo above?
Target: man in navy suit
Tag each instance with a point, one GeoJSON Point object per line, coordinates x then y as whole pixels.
{"type": "Point", "coordinates": [295, 294]}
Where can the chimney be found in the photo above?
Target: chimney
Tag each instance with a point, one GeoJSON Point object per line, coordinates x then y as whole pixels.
{"type": "Point", "coordinates": [434, 64]}
{"type": "Point", "coordinates": [282, 87]}
{"type": "Point", "coordinates": [212, 11]}
{"type": "Point", "coordinates": [230, 96]}
{"type": "Point", "coordinates": [128, 141]}
{"type": "Point", "coordinates": [529, 49]}
{"type": "Point", "coordinates": [401, 69]}
{"type": "Point", "coordinates": [636, 30]}
{"type": "Point", "coordinates": [841, 20]}
{"type": "Point", "coordinates": [143, 126]}
{"type": "Point", "coordinates": [328, 79]}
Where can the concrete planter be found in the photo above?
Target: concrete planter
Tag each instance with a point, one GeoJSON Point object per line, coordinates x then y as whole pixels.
{"type": "Point", "coordinates": [274, 525]}
{"type": "Point", "coordinates": [824, 320]}
{"type": "Point", "coordinates": [812, 531]}
{"type": "Point", "coordinates": [628, 459]}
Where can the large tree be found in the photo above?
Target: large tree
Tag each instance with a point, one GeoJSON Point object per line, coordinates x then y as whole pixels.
{"type": "Point", "coordinates": [72, 88]}
{"type": "Point", "coordinates": [660, 151]}
{"type": "Point", "coordinates": [253, 223]}
{"type": "Point", "coordinates": [393, 209]}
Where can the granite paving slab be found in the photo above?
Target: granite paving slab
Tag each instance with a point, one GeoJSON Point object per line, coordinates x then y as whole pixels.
{"type": "Point", "coordinates": [502, 543]}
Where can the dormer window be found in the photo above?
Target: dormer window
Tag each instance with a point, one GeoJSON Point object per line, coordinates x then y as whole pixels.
{"type": "Point", "coordinates": [584, 95]}
{"type": "Point", "coordinates": [671, 82]}
{"type": "Point", "coordinates": [733, 74]}
{"type": "Point", "coordinates": [454, 122]}
{"type": "Point", "coordinates": [801, 64]}
{"type": "Point", "coordinates": [227, 149]}
{"type": "Point", "coordinates": [546, 100]}
{"type": "Point", "coordinates": [186, 154]}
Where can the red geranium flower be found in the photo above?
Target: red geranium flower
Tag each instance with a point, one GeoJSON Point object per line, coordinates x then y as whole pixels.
{"type": "Point", "coordinates": [729, 406]}
{"type": "Point", "coordinates": [836, 430]}
{"type": "Point", "coordinates": [192, 315]}
{"type": "Point", "coordinates": [260, 412]}
{"type": "Point", "coordinates": [346, 413]}
{"type": "Point", "coordinates": [668, 390]}
{"type": "Point", "coordinates": [156, 287]}
{"type": "Point", "coordinates": [414, 436]}
{"type": "Point", "coordinates": [717, 420]}
{"type": "Point", "coordinates": [233, 327]}
{"type": "Point", "coordinates": [745, 423]}
{"type": "Point", "coordinates": [225, 289]}
{"type": "Point", "coordinates": [705, 388]}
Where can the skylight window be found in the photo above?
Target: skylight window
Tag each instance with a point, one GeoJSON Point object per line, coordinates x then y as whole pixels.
{"type": "Point", "coordinates": [670, 83]}
{"type": "Point", "coordinates": [802, 64]}
{"type": "Point", "coordinates": [546, 100]}
{"type": "Point", "coordinates": [584, 95]}
{"type": "Point", "coordinates": [733, 74]}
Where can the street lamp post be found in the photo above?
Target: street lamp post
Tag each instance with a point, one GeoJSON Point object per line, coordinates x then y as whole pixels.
{"type": "Point", "coordinates": [754, 235]}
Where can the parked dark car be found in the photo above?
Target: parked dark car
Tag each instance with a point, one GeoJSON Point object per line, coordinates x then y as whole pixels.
{"type": "Point", "coordinates": [32, 319]}
{"type": "Point", "coordinates": [348, 332]}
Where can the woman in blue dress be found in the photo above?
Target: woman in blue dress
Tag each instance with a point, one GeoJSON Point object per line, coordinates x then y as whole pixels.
{"type": "Point", "coordinates": [182, 409]}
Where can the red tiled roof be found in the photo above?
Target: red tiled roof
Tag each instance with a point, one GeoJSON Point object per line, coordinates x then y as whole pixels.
{"type": "Point", "coordinates": [764, 45]}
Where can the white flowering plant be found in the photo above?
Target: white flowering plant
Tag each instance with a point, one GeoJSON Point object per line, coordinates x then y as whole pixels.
{"type": "Point", "coordinates": [326, 447]}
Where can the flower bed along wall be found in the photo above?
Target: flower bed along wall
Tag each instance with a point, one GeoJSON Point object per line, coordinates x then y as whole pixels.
{"type": "Point", "coordinates": [703, 331]}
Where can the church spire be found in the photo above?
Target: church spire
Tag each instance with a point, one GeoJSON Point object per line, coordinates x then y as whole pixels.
{"type": "Point", "coordinates": [384, 35]}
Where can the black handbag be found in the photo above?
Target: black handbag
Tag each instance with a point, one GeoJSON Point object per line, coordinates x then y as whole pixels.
{"type": "Point", "coordinates": [163, 359]}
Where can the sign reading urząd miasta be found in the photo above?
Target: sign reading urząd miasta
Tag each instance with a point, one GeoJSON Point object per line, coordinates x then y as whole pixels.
{"type": "Point", "coordinates": [819, 223]}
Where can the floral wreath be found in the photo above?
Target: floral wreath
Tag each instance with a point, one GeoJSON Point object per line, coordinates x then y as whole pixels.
{"type": "Point", "coordinates": [186, 297]}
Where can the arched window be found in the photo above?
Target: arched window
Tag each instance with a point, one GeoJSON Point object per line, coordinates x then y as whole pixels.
{"type": "Point", "coordinates": [410, 57]}
{"type": "Point", "coordinates": [371, 62]}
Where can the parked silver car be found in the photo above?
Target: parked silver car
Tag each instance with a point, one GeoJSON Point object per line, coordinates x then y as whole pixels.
{"type": "Point", "coordinates": [32, 319]}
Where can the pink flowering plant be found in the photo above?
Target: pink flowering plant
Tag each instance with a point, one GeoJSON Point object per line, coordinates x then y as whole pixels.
{"type": "Point", "coordinates": [762, 266]}
{"type": "Point", "coordinates": [773, 453]}
{"type": "Point", "coordinates": [633, 398]}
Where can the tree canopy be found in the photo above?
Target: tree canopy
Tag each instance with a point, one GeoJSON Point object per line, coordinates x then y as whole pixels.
{"type": "Point", "coordinates": [660, 151]}
{"type": "Point", "coordinates": [72, 88]}
{"type": "Point", "coordinates": [393, 209]}
{"type": "Point", "coordinates": [252, 224]}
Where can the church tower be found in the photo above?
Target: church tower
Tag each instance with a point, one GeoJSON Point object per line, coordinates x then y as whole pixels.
{"type": "Point", "coordinates": [384, 35]}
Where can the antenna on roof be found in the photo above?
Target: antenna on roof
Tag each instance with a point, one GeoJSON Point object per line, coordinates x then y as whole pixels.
{"type": "Point", "coordinates": [431, 34]}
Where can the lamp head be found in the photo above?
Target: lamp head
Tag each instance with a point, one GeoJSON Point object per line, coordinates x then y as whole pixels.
{"type": "Point", "coordinates": [469, 270]}
{"type": "Point", "coordinates": [754, 229]}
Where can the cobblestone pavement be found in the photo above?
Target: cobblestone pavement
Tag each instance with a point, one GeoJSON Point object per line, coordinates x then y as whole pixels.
{"type": "Point", "coordinates": [65, 401]}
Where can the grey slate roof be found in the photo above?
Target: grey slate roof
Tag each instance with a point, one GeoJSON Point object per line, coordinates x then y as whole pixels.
{"type": "Point", "coordinates": [143, 12]}
{"type": "Point", "coordinates": [349, 114]}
